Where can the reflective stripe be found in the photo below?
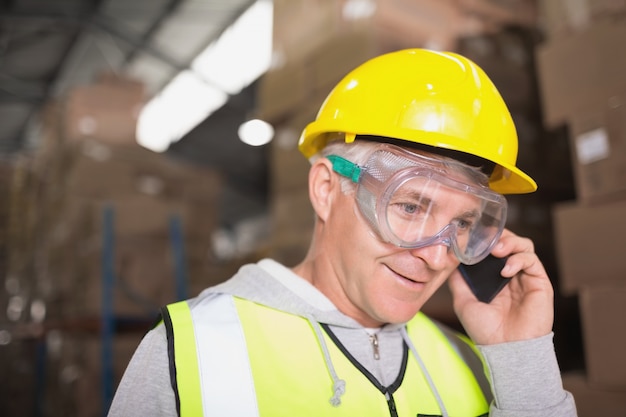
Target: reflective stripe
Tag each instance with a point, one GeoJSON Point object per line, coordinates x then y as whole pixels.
{"type": "Point", "coordinates": [218, 383]}
{"type": "Point", "coordinates": [187, 381]}
{"type": "Point", "coordinates": [225, 373]}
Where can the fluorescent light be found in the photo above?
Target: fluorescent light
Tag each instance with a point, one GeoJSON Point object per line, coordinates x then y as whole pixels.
{"type": "Point", "coordinates": [182, 105]}
{"type": "Point", "coordinates": [256, 132]}
{"type": "Point", "coordinates": [241, 55]}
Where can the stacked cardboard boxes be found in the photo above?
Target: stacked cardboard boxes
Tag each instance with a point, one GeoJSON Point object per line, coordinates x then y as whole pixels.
{"type": "Point", "coordinates": [146, 193]}
{"type": "Point", "coordinates": [163, 213]}
{"type": "Point", "coordinates": [105, 110]}
{"type": "Point", "coordinates": [340, 34]}
{"type": "Point", "coordinates": [582, 74]}
{"type": "Point", "coordinates": [583, 86]}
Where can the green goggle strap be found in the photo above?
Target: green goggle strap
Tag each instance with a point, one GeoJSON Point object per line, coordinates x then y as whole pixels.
{"type": "Point", "coordinates": [346, 168]}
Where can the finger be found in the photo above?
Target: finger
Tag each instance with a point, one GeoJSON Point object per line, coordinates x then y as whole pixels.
{"type": "Point", "coordinates": [521, 255]}
{"type": "Point", "coordinates": [524, 263]}
{"type": "Point", "coordinates": [510, 243]}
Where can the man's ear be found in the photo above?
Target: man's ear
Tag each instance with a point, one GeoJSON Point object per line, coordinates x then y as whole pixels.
{"type": "Point", "coordinates": [322, 184]}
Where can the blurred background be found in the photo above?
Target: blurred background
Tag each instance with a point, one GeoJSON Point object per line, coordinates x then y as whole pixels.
{"type": "Point", "coordinates": [148, 149]}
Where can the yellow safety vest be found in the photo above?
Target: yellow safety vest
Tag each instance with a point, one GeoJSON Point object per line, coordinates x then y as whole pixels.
{"type": "Point", "coordinates": [233, 357]}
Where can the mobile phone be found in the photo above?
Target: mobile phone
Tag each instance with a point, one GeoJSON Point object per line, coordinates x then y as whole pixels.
{"type": "Point", "coordinates": [484, 278]}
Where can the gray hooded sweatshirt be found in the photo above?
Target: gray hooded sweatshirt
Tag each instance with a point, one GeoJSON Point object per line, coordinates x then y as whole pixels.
{"type": "Point", "coordinates": [525, 376]}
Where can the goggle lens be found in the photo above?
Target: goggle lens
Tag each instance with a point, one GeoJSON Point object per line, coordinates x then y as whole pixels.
{"type": "Point", "coordinates": [413, 204]}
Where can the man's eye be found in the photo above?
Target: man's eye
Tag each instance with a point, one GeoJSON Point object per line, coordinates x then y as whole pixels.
{"type": "Point", "coordinates": [463, 224]}
{"type": "Point", "coordinates": [409, 208]}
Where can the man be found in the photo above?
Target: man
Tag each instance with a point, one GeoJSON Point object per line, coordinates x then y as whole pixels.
{"type": "Point", "coordinates": [410, 155]}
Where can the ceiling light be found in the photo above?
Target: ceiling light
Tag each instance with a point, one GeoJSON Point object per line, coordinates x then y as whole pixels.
{"type": "Point", "coordinates": [256, 132]}
{"type": "Point", "coordinates": [181, 106]}
{"type": "Point", "coordinates": [241, 55]}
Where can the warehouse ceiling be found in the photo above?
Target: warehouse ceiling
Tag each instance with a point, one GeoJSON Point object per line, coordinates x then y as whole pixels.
{"type": "Point", "coordinates": [47, 47]}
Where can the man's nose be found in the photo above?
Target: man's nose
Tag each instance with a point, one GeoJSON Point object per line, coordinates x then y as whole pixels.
{"type": "Point", "coordinates": [436, 255]}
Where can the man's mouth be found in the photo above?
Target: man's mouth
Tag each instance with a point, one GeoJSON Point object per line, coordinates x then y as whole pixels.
{"type": "Point", "coordinates": [405, 277]}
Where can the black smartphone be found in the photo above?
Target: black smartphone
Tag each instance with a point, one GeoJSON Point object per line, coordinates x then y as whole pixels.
{"type": "Point", "coordinates": [484, 278]}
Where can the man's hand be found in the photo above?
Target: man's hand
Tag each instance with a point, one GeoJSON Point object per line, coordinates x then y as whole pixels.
{"type": "Point", "coordinates": [524, 309]}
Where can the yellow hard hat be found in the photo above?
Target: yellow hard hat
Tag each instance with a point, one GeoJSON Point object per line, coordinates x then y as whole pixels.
{"type": "Point", "coordinates": [438, 99]}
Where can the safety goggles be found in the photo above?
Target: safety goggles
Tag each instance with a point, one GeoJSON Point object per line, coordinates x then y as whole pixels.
{"type": "Point", "coordinates": [414, 201]}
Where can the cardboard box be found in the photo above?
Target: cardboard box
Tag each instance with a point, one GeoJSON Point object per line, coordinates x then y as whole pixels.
{"type": "Point", "coordinates": [598, 145]}
{"type": "Point", "coordinates": [505, 57]}
{"type": "Point", "coordinates": [503, 12]}
{"type": "Point", "coordinates": [580, 71]}
{"type": "Point", "coordinates": [340, 35]}
{"type": "Point", "coordinates": [281, 90]}
{"type": "Point", "coordinates": [563, 17]}
{"type": "Point", "coordinates": [100, 171]}
{"type": "Point", "coordinates": [106, 110]}
{"type": "Point", "coordinates": [333, 60]}
{"type": "Point", "coordinates": [590, 242]}
{"type": "Point", "coordinates": [289, 169]}
{"type": "Point", "coordinates": [292, 38]}
{"type": "Point", "coordinates": [434, 23]}
{"type": "Point", "coordinates": [592, 401]}
{"type": "Point", "coordinates": [603, 309]}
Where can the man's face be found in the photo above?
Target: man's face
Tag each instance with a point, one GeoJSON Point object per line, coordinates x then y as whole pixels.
{"type": "Point", "coordinates": [380, 282]}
